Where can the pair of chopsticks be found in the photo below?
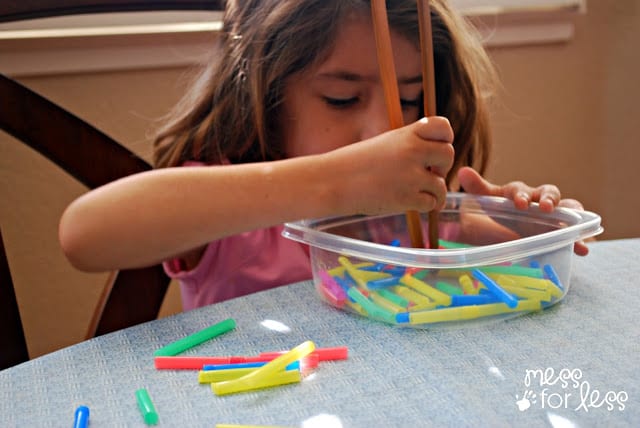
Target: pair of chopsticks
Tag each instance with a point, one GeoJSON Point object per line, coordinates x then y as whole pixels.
{"type": "Point", "coordinates": [392, 96]}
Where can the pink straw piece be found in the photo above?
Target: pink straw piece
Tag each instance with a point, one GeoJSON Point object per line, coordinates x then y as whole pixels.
{"type": "Point", "coordinates": [196, 363]}
{"type": "Point", "coordinates": [324, 354]}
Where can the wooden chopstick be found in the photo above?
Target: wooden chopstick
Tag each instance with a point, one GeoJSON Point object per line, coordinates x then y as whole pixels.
{"type": "Point", "coordinates": [429, 91]}
{"type": "Point", "coordinates": [392, 96]}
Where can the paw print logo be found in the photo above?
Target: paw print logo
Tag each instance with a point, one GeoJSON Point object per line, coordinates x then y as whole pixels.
{"type": "Point", "coordinates": [525, 402]}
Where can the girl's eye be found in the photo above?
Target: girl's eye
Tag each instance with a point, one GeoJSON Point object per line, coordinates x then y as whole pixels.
{"type": "Point", "coordinates": [340, 102]}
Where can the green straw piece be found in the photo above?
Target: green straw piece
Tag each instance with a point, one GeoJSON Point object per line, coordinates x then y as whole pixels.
{"type": "Point", "coordinates": [146, 407]}
{"type": "Point", "coordinates": [514, 270]}
{"type": "Point", "coordinates": [450, 245]}
{"type": "Point", "coordinates": [393, 297]}
{"type": "Point", "coordinates": [374, 310]}
{"type": "Point", "coordinates": [421, 274]}
{"type": "Point", "coordinates": [195, 339]}
{"type": "Point", "coordinates": [451, 290]}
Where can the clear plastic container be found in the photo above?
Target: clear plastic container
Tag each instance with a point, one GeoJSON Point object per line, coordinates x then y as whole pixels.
{"type": "Point", "coordinates": [494, 262]}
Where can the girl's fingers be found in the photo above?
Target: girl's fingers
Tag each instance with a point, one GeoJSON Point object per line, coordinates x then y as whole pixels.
{"type": "Point", "coordinates": [580, 248]}
{"type": "Point", "coordinates": [437, 132]}
{"type": "Point", "coordinates": [435, 128]}
{"type": "Point", "coordinates": [472, 182]}
{"type": "Point", "coordinates": [440, 159]}
{"type": "Point", "coordinates": [519, 193]}
{"type": "Point", "coordinates": [548, 196]}
{"type": "Point", "coordinates": [437, 189]}
{"type": "Point", "coordinates": [570, 203]}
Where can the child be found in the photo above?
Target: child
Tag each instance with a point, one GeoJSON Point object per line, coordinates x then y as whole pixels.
{"type": "Point", "coordinates": [289, 121]}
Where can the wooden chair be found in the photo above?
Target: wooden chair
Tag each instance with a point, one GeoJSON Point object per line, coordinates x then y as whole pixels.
{"type": "Point", "coordinates": [131, 296]}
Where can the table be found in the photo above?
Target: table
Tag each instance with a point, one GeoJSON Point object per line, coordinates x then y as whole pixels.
{"type": "Point", "coordinates": [476, 376]}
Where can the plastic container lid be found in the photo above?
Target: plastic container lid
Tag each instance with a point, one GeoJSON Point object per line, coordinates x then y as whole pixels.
{"type": "Point", "coordinates": [564, 227]}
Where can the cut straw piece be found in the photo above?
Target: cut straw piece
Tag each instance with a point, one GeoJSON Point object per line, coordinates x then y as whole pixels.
{"type": "Point", "coordinates": [195, 339]}
{"type": "Point", "coordinates": [429, 90]}
{"type": "Point", "coordinates": [392, 96]}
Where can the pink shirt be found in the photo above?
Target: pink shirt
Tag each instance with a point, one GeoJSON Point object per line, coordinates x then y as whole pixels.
{"type": "Point", "coordinates": [241, 264]}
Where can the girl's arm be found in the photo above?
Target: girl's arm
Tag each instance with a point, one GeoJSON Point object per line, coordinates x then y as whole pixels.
{"type": "Point", "coordinates": [146, 218]}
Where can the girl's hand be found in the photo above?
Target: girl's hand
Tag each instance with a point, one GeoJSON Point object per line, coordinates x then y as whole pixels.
{"type": "Point", "coordinates": [546, 195]}
{"type": "Point", "coordinates": [399, 170]}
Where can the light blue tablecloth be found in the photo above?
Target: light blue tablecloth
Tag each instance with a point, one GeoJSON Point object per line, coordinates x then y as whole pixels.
{"type": "Point", "coordinates": [393, 378]}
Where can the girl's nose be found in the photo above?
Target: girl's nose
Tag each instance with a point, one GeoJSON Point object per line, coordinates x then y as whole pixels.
{"type": "Point", "coordinates": [375, 119]}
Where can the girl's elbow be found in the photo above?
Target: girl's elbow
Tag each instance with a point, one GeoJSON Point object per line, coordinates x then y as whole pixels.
{"type": "Point", "coordinates": [73, 243]}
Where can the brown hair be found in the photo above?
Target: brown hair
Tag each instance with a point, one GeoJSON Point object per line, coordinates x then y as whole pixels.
{"type": "Point", "coordinates": [231, 111]}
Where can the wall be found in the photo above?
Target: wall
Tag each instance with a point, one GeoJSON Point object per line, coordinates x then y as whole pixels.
{"type": "Point", "coordinates": [568, 114]}
{"type": "Point", "coordinates": [565, 116]}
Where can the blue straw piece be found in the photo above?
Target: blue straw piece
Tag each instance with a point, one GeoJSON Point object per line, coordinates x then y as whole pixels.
{"type": "Point", "coordinates": [373, 268]}
{"type": "Point", "coordinates": [402, 317]}
{"type": "Point", "coordinates": [377, 284]}
{"type": "Point", "coordinates": [495, 289]}
{"type": "Point", "coordinates": [552, 276]}
{"type": "Point", "coordinates": [473, 299]}
{"type": "Point", "coordinates": [395, 270]}
{"type": "Point", "coordinates": [346, 283]}
{"type": "Point", "coordinates": [81, 417]}
{"type": "Point", "coordinates": [210, 367]}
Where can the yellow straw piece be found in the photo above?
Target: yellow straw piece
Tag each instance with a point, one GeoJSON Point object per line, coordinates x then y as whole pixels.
{"type": "Point", "coordinates": [444, 315]}
{"type": "Point", "coordinates": [501, 308]}
{"type": "Point", "coordinates": [268, 381]}
{"type": "Point", "coordinates": [246, 426]}
{"type": "Point", "coordinates": [262, 377]}
{"type": "Point", "coordinates": [555, 290]}
{"type": "Point", "coordinates": [466, 283]}
{"type": "Point", "coordinates": [356, 307]}
{"type": "Point", "coordinates": [339, 270]}
{"type": "Point", "coordinates": [452, 273]}
{"type": "Point", "coordinates": [504, 280]}
{"type": "Point", "coordinates": [521, 281]}
{"type": "Point", "coordinates": [415, 297]}
{"type": "Point", "coordinates": [528, 293]}
{"type": "Point", "coordinates": [470, 312]}
{"type": "Point", "coordinates": [361, 277]}
{"type": "Point", "coordinates": [423, 307]}
{"type": "Point", "coordinates": [212, 376]}
{"type": "Point", "coordinates": [386, 304]}
{"type": "Point", "coordinates": [422, 287]}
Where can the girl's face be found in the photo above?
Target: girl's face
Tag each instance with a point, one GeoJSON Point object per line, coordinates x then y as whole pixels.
{"type": "Point", "coordinates": [341, 101]}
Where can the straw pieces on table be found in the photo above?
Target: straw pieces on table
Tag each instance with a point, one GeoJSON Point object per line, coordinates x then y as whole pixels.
{"type": "Point", "coordinates": [232, 374]}
{"type": "Point", "coordinates": [229, 374]}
